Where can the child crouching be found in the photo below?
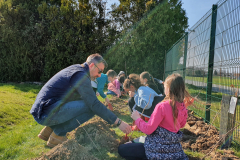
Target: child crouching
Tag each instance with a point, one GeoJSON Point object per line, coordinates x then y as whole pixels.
{"type": "Point", "coordinates": [114, 84]}
{"type": "Point", "coordinates": [162, 129]}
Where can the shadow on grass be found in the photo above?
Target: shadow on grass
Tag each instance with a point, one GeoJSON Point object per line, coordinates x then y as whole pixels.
{"type": "Point", "coordinates": [23, 87]}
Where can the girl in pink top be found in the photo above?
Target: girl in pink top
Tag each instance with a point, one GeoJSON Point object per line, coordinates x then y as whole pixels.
{"type": "Point", "coordinates": [162, 129]}
{"type": "Point", "coordinates": [114, 84]}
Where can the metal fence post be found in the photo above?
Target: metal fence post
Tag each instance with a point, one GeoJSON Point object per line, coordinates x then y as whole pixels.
{"type": "Point", "coordinates": [164, 65]}
{"type": "Point", "coordinates": [185, 55]}
{"type": "Point", "coordinates": [210, 62]}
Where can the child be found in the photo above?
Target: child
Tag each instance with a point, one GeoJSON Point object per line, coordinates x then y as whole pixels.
{"type": "Point", "coordinates": [121, 73]}
{"type": "Point", "coordinates": [114, 84]}
{"type": "Point", "coordinates": [162, 129]}
{"type": "Point", "coordinates": [121, 79]}
{"type": "Point", "coordinates": [147, 79]}
{"type": "Point", "coordinates": [160, 84]}
{"type": "Point", "coordinates": [101, 81]}
{"type": "Point", "coordinates": [141, 97]}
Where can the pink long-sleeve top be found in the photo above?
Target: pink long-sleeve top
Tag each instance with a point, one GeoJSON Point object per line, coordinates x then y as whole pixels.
{"type": "Point", "coordinates": [162, 116]}
{"type": "Point", "coordinates": [116, 83]}
{"type": "Point", "coordinates": [113, 88]}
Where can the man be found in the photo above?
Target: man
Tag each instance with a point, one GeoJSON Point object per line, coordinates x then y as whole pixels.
{"type": "Point", "coordinates": [68, 97]}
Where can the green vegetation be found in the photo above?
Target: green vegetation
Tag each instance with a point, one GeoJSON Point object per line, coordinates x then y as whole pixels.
{"type": "Point", "coordinates": [18, 129]}
{"type": "Point", "coordinates": [41, 37]}
{"type": "Point", "coordinates": [143, 46]}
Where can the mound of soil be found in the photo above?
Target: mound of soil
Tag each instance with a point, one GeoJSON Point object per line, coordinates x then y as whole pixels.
{"type": "Point", "coordinates": [202, 137]}
{"type": "Point", "coordinates": [198, 136]}
{"type": "Point", "coordinates": [81, 147]}
{"type": "Point", "coordinates": [70, 149]}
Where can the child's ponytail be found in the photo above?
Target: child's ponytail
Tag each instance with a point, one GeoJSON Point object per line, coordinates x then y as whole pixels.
{"type": "Point", "coordinates": [149, 77]}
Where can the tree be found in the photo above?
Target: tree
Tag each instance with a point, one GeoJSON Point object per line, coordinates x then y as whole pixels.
{"type": "Point", "coordinates": [39, 38]}
{"type": "Point", "coordinates": [143, 47]}
{"type": "Point", "coordinates": [129, 12]}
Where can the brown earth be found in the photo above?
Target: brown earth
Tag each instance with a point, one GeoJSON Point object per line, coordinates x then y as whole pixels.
{"type": "Point", "coordinates": [202, 137]}
{"type": "Point", "coordinates": [198, 136]}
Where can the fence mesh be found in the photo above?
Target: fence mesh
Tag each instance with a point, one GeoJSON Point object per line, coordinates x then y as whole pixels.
{"type": "Point", "coordinates": [224, 69]}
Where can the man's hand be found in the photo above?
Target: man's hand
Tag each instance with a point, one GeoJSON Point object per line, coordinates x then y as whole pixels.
{"type": "Point", "coordinates": [131, 94]}
{"type": "Point", "coordinates": [135, 115]}
{"type": "Point", "coordinates": [125, 127]}
{"type": "Point", "coordinates": [97, 94]}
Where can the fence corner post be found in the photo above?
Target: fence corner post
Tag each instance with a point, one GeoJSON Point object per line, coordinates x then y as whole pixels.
{"type": "Point", "coordinates": [210, 62]}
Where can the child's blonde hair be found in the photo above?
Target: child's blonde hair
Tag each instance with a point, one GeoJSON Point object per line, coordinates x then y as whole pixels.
{"type": "Point", "coordinates": [177, 92]}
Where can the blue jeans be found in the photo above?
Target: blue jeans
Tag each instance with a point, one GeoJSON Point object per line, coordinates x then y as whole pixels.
{"type": "Point", "coordinates": [63, 118]}
{"type": "Point", "coordinates": [111, 93]}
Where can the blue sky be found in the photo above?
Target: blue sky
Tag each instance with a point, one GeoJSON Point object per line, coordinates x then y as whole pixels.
{"type": "Point", "coordinates": [195, 9]}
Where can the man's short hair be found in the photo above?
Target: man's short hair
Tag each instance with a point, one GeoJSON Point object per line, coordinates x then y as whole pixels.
{"type": "Point", "coordinates": [96, 58]}
{"type": "Point", "coordinates": [111, 73]}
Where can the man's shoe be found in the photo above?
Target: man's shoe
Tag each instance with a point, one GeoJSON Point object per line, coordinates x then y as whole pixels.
{"type": "Point", "coordinates": [55, 140]}
{"type": "Point", "coordinates": [45, 133]}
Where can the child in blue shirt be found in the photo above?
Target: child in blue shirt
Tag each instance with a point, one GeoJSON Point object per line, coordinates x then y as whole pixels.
{"type": "Point", "coordinates": [100, 86]}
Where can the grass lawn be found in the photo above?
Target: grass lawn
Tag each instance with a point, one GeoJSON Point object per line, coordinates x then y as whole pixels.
{"type": "Point", "coordinates": [222, 81]}
{"type": "Point", "coordinates": [18, 130]}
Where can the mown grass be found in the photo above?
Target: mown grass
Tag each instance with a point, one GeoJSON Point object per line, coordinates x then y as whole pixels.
{"type": "Point", "coordinates": [18, 129]}
{"type": "Point", "coordinates": [218, 80]}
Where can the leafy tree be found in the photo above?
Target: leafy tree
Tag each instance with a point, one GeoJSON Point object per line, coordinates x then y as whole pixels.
{"type": "Point", "coordinates": [39, 38]}
{"type": "Point", "coordinates": [22, 38]}
{"type": "Point", "coordinates": [143, 47]}
{"type": "Point", "coordinates": [129, 12]}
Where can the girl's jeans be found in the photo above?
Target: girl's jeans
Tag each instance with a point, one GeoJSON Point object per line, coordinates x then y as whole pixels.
{"type": "Point", "coordinates": [111, 93]}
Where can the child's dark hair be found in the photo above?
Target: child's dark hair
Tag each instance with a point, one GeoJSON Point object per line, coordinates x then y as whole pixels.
{"type": "Point", "coordinates": [149, 78]}
{"type": "Point", "coordinates": [111, 73]}
{"type": "Point", "coordinates": [132, 79]}
{"type": "Point", "coordinates": [121, 79]}
{"type": "Point", "coordinates": [177, 92]}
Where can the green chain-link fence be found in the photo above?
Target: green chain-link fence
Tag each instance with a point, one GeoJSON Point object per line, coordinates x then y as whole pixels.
{"type": "Point", "coordinates": [208, 57]}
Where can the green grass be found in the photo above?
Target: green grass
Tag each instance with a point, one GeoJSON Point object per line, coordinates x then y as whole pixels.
{"type": "Point", "coordinates": [215, 104]}
{"type": "Point", "coordinates": [223, 81]}
{"type": "Point", "coordinates": [18, 129]}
